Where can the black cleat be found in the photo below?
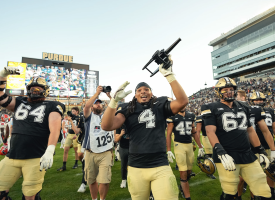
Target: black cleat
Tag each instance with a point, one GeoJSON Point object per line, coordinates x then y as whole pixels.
{"type": "Point", "coordinates": [75, 166]}
{"type": "Point", "coordinates": [61, 169]}
{"type": "Point", "coordinates": [116, 158]}
{"type": "Point", "coordinates": [211, 176]}
{"type": "Point", "coordinates": [176, 168]}
{"type": "Point", "coordinates": [151, 196]}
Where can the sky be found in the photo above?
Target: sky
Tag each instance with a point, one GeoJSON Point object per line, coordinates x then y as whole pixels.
{"type": "Point", "coordinates": [118, 38]}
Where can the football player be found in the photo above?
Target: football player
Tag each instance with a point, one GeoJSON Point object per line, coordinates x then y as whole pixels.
{"type": "Point", "coordinates": [80, 130]}
{"type": "Point", "coordinates": [36, 129]}
{"type": "Point", "coordinates": [71, 139]}
{"type": "Point", "coordinates": [145, 119]}
{"type": "Point", "coordinates": [264, 125]}
{"type": "Point", "coordinates": [205, 141]}
{"type": "Point", "coordinates": [182, 125]}
{"type": "Point", "coordinates": [230, 133]}
{"type": "Point", "coordinates": [259, 122]}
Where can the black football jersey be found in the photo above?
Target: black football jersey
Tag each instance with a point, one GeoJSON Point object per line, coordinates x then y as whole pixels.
{"type": "Point", "coordinates": [199, 119]}
{"type": "Point", "coordinates": [76, 122]}
{"type": "Point", "coordinates": [258, 114]}
{"type": "Point", "coordinates": [182, 127]}
{"type": "Point", "coordinates": [31, 127]}
{"type": "Point", "coordinates": [146, 128]}
{"type": "Point", "coordinates": [231, 124]}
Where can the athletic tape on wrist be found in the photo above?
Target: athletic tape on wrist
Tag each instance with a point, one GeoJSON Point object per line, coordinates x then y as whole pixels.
{"type": "Point", "coordinates": [7, 102]}
{"type": "Point", "coordinates": [170, 78]}
{"type": "Point", "coordinates": [113, 104]}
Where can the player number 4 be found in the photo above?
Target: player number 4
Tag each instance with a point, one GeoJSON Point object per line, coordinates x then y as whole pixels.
{"type": "Point", "coordinates": [148, 117]}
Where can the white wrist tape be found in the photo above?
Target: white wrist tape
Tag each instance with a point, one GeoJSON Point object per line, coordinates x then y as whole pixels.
{"type": "Point", "coordinates": [170, 78]}
{"type": "Point", "coordinates": [113, 103]}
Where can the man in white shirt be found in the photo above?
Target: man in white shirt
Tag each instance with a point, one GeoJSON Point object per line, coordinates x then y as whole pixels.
{"type": "Point", "coordinates": [98, 144]}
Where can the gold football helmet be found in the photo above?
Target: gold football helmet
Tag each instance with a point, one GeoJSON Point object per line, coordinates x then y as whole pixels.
{"type": "Point", "coordinates": [258, 96]}
{"type": "Point", "coordinates": [206, 164]}
{"type": "Point", "coordinates": [224, 83]}
{"type": "Point", "coordinates": [36, 93]}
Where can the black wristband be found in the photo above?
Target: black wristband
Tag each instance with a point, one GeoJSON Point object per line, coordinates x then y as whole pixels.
{"type": "Point", "coordinates": [260, 150]}
{"type": "Point", "coordinates": [219, 149]}
{"type": "Point", "coordinates": [7, 102]}
{"type": "Point", "coordinates": [3, 97]}
{"type": "Point", "coordinates": [3, 82]}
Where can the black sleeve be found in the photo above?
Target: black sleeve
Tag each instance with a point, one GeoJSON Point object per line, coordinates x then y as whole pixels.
{"type": "Point", "coordinates": [260, 114]}
{"type": "Point", "coordinates": [199, 119]}
{"type": "Point", "coordinates": [208, 115]}
{"type": "Point", "coordinates": [122, 108]}
{"type": "Point", "coordinates": [166, 106]}
{"type": "Point", "coordinates": [169, 120]}
{"type": "Point", "coordinates": [58, 107]}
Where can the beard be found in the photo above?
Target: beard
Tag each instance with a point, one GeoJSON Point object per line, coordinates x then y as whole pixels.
{"type": "Point", "coordinates": [36, 100]}
{"type": "Point", "coordinates": [182, 111]}
{"type": "Point", "coordinates": [97, 110]}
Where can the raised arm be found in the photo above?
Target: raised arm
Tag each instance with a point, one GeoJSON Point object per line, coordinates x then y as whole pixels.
{"type": "Point", "coordinates": [89, 104]}
{"type": "Point", "coordinates": [110, 121]}
{"type": "Point", "coordinates": [181, 98]}
{"type": "Point", "coordinates": [6, 101]}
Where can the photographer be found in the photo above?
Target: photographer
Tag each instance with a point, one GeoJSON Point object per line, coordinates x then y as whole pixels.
{"type": "Point", "coordinates": [74, 119]}
{"type": "Point", "coordinates": [98, 144]}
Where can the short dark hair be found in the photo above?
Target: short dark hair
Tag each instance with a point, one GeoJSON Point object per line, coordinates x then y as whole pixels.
{"type": "Point", "coordinates": [75, 108]}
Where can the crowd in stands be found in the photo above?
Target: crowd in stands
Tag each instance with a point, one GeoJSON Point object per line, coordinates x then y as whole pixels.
{"type": "Point", "coordinates": [265, 85]}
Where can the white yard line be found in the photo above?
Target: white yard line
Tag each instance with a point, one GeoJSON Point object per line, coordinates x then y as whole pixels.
{"type": "Point", "coordinates": [201, 182]}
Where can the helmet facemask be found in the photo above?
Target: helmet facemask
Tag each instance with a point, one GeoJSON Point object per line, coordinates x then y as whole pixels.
{"type": "Point", "coordinates": [228, 96]}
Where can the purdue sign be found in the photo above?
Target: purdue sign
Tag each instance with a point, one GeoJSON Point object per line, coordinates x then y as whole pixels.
{"type": "Point", "coordinates": [57, 57]}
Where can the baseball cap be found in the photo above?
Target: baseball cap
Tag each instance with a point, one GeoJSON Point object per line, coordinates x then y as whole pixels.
{"type": "Point", "coordinates": [97, 101]}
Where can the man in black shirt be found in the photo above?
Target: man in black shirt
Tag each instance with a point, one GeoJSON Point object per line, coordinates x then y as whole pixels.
{"type": "Point", "coordinates": [230, 133]}
{"type": "Point", "coordinates": [71, 139]}
{"type": "Point", "coordinates": [36, 129]}
{"type": "Point", "coordinates": [263, 121]}
{"type": "Point", "coordinates": [145, 118]}
{"type": "Point", "coordinates": [182, 125]}
{"type": "Point", "coordinates": [123, 138]}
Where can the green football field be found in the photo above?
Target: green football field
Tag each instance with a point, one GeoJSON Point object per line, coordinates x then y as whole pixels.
{"type": "Point", "coordinates": [64, 185]}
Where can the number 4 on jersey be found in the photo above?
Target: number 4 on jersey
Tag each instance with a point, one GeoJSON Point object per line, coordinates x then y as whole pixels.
{"type": "Point", "coordinates": [148, 117]}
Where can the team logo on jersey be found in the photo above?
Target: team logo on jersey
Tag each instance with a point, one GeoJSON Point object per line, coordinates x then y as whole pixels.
{"type": "Point", "coordinates": [60, 108]}
{"type": "Point", "coordinates": [119, 108]}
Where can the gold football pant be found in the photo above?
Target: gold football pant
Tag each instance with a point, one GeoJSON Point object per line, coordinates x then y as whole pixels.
{"type": "Point", "coordinates": [12, 169]}
{"type": "Point", "coordinates": [184, 155]}
{"type": "Point", "coordinates": [207, 146]}
{"type": "Point", "coordinates": [253, 175]}
{"type": "Point", "coordinates": [160, 180]}
{"type": "Point", "coordinates": [70, 141]}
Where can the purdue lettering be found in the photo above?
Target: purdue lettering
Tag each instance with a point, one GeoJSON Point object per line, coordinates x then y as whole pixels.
{"type": "Point", "coordinates": [57, 57]}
